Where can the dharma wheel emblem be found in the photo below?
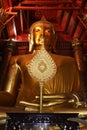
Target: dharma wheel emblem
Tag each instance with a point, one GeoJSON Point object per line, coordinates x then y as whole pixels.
{"type": "Point", "coordinates": [42, 67]}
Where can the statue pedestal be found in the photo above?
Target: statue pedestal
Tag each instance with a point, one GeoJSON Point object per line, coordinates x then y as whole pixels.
{"type": "Point", "coordinates": [41, 121]}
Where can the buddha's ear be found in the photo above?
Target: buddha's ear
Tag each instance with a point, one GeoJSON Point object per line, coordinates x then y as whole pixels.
{"type": "Point", "coordinates": [56, 38]}
{"type": "Point", "coordinates": [28, 37]}
{"type": "Point", "coordinates": [31, 43]}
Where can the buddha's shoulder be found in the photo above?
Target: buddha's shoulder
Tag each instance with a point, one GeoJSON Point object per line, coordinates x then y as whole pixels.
{"type": "Point", "coordinates": [60, 59]}
{"type": "Point", "coordinates": [21, 58]}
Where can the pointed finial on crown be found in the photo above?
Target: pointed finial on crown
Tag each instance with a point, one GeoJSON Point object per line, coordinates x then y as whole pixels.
{"type": "Point", "coordinates": [43, 18]}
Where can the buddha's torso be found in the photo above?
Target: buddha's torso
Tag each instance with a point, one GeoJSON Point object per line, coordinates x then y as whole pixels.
{"type": "Point", "coordinates": [64, 81]}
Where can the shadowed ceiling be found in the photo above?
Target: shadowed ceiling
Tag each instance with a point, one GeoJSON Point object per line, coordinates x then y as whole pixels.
{"type": "Point", "coordinates": [68, 16]}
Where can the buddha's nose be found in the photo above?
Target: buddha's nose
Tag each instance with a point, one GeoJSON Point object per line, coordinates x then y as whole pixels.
{"type": "Point", "coordinates": [43, 34]}
{"type": "Point", "coordinates": [42, 38]}
{"type": "Point", "coordinates": [43, 31]}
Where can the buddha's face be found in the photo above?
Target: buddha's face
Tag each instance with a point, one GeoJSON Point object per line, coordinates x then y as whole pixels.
{"type": "Point", "coordinates": [42, 34]}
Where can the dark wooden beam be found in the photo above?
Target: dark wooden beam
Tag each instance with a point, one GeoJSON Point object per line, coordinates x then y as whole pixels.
{"type": "Point", "coordinates": [82, 22]}
{"type": "Point", "coordinates": [48, 2]}
{"type": "Point", "coordinates": [68, 20]}
{"type": "Point", "coordinates": [44, 8]}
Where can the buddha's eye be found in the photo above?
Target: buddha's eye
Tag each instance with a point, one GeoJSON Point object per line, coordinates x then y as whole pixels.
{"type": "Point", "coordinates": [37, 29]}
{"type": "Point", "coordinates": [47, 31]}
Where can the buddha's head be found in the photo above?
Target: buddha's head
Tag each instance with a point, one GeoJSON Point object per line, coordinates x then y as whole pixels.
{"type": "Point", "coordinates": [41, 33]}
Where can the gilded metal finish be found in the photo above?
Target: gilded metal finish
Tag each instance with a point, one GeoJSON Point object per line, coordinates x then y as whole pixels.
{"type": "Point", "coordinates": [41, 30]}
{"type": "Point", "coordinates": [65, 83]}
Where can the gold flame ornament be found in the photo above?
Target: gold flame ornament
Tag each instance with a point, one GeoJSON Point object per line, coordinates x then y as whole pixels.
{"type": "Point", "coordinates": [42, 67]}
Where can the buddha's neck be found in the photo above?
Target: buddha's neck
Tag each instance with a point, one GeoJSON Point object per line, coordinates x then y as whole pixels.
{"type": "Point", "coordinates": [36, 51]}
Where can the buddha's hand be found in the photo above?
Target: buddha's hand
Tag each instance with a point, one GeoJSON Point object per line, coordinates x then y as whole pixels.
{"type": "Point", "coordinates": [61, 98]}
{"type": "Point", "coordinates": [53, 100]}
{"type": "Point", "coordinates": [77, 102]}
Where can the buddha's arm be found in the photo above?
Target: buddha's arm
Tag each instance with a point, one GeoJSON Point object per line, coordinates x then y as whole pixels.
{"type": "Point", "coordinates": [80, 62]}
{"type": "Point", "coordinates": [78, 90]}
{"type": "Point", "coordinates": [11, 86]}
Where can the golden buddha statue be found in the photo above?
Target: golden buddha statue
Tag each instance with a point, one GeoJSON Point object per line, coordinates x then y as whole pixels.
{"type": "Point", "coordinates": [64, 89]}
